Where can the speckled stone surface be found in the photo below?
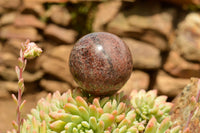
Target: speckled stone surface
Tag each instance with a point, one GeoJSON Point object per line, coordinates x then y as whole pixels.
{"type": "Point", "coordinates": [100, 63]}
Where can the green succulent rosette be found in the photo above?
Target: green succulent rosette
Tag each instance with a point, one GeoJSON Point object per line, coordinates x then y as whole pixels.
{"type": "Point", "coordinates": [153, 111]}
{"type": "Point", "coordinates": [148, 105]}
{"type": "Point", "coordinates": [72, 112]}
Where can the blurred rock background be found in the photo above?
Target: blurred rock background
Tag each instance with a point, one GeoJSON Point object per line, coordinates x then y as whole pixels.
{"type": "Point", "coordinates": [163, 36]}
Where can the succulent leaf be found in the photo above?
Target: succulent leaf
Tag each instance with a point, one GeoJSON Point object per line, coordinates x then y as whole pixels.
{"type": "Point", "coordinates": [151, 126]}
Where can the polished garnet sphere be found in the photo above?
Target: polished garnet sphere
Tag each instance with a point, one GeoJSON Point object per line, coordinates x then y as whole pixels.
{"type": "Point", "coordinates": [100, 63]}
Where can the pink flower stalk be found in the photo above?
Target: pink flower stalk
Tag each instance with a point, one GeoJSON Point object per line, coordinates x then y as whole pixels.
{"type": "Point", "coordinates": [28, 50]}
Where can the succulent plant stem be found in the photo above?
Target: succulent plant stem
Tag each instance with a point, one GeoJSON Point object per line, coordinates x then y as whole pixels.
{"type": "Point", "coordinates": [28, 50]}
{"type": "Point", "coordinates": [192, 112]}
{"type": "Point", "coordinates": [21, 68]}
{"type": "Point", "coordinates": [19, 102]}
{"type": "Point", "coordinates": [18, 112]}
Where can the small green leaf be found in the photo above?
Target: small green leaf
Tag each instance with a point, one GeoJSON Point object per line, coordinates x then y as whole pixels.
{"type": "Point", "coordinates": [71, 100]}
{"type": "Point", "coordinates": [141, 127]}
{"type": "Point", "coordinates": [34, 123]}
{"type": "Point", "coordinates": [151, 126]}
{"type": "Point", "coordinates": [107, 107]}
{"type": "Point", "coordinates": [76, 119]}
{"type": "Point", "coordinates": [164, 125]}
{"type": "Point", "coordinates": [81, 102]}
{"type": "Point", "coordinates": [93, 123]}
{"type": "Point", "coordinates": [123, 129]}
{"type": "Point", "coordinates": [116, 130]}
{"type": "Point", "coordinates": [114, 104]}
{"type": "Point", "coordinates": [73, 109]}
{"type": "Point", "coordinates": [104, 101]}
{"type": "Point", "coordinates": [74, 130]}
{"type": "Point", "coordinates": [160, 99]}
{"type": "Point", "coordinates": [15, 125]}
{"type": "Point", "coordinates": [22, 105]}
{"type": "Point", "coordinates": [58, 125]}
{"type": "Point", "coordinates": [93, 111]}
{"type": "Point", "coordinates": [167, 107]}
{"type": "Point", "coordinates": [24, 65]}
{"type": "Point", "coordinates": [119, 118]}
{"type": "Point", "coordinates": [100, 127]}
{"type": "Point", "coordinates": [96, 102]}
{"type": "Point", "coordinates": [69, 127]}
{"type": "Point", "coordinates": [99, 112]}
{"type": "Point", "coordinates": [121, 108]}
{"type": "Point", "coordinates": [175, 129]}
{"type": "Point", "coordinates": [85, 124]}
{"type": "Point", "coordinates": [124, 122]}
{"type": "Point", "coordinates": [21, 82]}
{"type": "Point", "coordinates": [108, 119]}
{"type": "Point", "coordinates": [131, 115]}
{"type": "Point", "coordinates": [20, 62]}
{"type": "Point", "coordinates": [43, 127]}
{"type": "Point", "coordinates": [84, 113]}
{"type": "Point", "coordinates": [61, 116]}
{"type": "Point", "coordinates": [133, 130]}
{"type": "Point", "coordinates": [15, 99]}
{"type": "Point", "coordinates": [17, 69]}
